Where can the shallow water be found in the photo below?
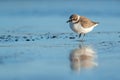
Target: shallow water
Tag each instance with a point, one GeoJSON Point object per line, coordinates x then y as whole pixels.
{"type": "Point", "coordinates": [37, 44]}
{"type": "Point", "coordinates": [50, 58]}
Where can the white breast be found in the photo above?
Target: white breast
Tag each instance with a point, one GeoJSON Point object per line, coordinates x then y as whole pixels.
{"type": "Point", "coordinates": [79, 29]}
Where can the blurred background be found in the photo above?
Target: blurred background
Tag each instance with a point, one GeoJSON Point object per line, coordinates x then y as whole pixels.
{"type": "Point", "coordinates": [41, 16]}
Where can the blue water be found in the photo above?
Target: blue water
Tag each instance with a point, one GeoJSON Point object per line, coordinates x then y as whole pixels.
{"type": "Point", "coordinates": [48, 59]}
{"type": "Point", "coordinates": [51, 16]}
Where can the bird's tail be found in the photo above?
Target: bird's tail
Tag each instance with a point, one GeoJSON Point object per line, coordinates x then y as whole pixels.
{"type": "Point", "coordinates": [97, 22]}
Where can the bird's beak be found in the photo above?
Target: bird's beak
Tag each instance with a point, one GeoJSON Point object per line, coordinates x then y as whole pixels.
{"type": "Point", "coordinates": [69, 20]}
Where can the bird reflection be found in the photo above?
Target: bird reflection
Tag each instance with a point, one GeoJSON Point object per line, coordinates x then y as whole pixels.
{"type": "Point", "coordinates": [83, 57]}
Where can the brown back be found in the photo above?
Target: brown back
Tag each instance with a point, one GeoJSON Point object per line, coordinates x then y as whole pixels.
{"type": "Point", "coordinates": [85, 22]}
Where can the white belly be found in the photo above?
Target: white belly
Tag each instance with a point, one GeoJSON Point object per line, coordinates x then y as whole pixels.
{"type": "Point", "coordinates": [79, 29]}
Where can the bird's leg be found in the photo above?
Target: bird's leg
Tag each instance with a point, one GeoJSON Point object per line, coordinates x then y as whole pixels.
{"type": "Point", "coordinates": [79, 35]}
{"type": "Point", "coordinates": [83, 37]}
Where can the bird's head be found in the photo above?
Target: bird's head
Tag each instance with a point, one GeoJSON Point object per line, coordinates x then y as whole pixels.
{"type": "Point", "coordinates": [74, 18]}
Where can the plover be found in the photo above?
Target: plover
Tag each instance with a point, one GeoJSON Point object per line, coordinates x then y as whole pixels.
{"type": "Point", "coordinates": [81, 24]}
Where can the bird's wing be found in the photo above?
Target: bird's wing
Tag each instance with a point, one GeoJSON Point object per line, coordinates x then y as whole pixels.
{"type": "Point", "coordinates": [85, 22]}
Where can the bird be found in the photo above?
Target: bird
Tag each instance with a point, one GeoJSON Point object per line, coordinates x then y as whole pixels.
{"type": "Point", "coordinates": [81, 24]}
